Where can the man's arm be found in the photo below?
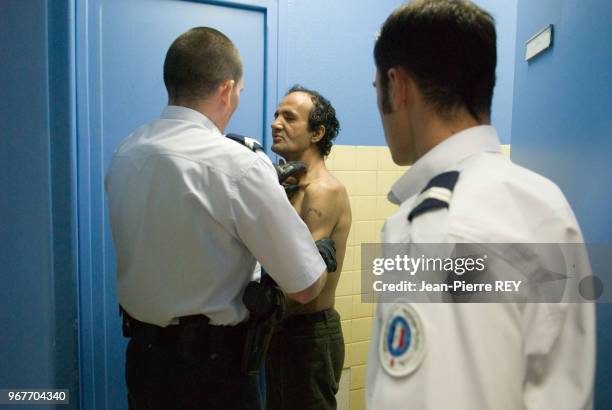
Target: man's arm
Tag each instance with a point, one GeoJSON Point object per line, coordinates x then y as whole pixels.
{"type": "Point", "coordinates": [320, 210]}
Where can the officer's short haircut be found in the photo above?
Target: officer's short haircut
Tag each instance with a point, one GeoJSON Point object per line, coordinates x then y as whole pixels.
{"type": "Point", "coordinates": [198, 61]}
{"type": "Point", "coordinates": [448, 47]}
{"type": "Point", "coordinates": [322, 113]}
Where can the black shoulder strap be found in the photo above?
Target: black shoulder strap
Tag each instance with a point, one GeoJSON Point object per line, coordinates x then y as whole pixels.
{"type": "Point", "coordinates": [250, 143]}
{"type": "Point", "coordinates": [436, 194]}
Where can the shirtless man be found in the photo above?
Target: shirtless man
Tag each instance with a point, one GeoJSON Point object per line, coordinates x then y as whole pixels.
{"type": "Point", "coordinates": [306, 354]}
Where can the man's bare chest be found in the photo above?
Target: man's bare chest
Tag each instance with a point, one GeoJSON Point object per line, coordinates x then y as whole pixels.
{"type": "Point", "coordinates": [297, 201]}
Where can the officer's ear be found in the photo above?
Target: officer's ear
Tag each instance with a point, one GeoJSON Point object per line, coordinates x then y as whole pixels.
{"type": "Point", "coordinates": [318, 134]}
{"type": "Point", "coordinates": [225, 91]}
{"type": "Point", "coordinates": [401, 88]}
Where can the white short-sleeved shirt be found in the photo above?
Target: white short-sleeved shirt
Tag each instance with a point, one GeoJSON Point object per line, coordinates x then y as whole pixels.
{"type": "Point", "coordinates": [502, 356]}
{"type": "Point", "coordinates": [191, 211]}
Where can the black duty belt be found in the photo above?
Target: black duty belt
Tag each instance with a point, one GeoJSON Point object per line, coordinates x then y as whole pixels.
{"type": "Point", "coordinates": [195, 332]}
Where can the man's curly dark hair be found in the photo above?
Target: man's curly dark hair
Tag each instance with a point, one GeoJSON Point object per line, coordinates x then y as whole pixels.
{"type": "Point", "coordinates": [322, 113]}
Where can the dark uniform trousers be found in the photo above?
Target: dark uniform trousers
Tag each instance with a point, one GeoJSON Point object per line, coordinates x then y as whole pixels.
{"type": "Point", "coordinates": [305, 362]}
{"type": "Point", "coordinates": [197, 367]}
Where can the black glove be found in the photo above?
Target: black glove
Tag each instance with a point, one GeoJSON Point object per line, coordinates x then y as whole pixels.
{"type": "Point", "coordinates": [327, 249]}
{"type": "Point", "coordinates": [284, 170]}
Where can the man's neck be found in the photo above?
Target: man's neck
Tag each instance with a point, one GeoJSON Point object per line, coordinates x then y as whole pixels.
{"type": "Point", "coordinates": [433, 129]}
{"type": "Point", "coordinates": [311, 157]}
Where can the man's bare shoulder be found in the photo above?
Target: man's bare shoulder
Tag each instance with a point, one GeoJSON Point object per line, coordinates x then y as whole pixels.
{"type": "Point", "coordinates": [326, 197]}
{"type": "Point", "coordinates": [326, 187]}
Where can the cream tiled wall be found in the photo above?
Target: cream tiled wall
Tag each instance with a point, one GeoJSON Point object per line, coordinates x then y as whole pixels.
{"type": "Point", "coordinates": [367, 173]}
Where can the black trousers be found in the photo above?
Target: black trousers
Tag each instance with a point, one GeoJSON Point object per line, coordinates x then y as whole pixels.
{"type": "Point", "coordinates": [159, 377]}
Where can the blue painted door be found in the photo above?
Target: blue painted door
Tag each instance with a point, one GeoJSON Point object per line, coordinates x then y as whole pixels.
{"type": "Point", "coordinates": [120, 49]}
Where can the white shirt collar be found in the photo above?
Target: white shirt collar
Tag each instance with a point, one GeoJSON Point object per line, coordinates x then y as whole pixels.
{"type": "Point", "coordinates": [444, 157]}
{"type": "Point", "coordinates": [176, 112]}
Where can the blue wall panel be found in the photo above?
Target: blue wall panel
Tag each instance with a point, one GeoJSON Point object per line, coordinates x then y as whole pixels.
{"type": "Point", "coordinates": [562, 127]}
{"type": "Point", "coordinates": [37, 241]}
{"type": "Point", "coordinates": [327, 45]}
{"type": "Point", "coordinates": [504, 13]}
{"type": "Point", "coordinates": [26, 294]}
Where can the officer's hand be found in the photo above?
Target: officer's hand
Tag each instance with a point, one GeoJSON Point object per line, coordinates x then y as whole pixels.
{"type": "Point", "coordinates": [327, 249]}
{"type": "Point", "coordinates": [288, 174]}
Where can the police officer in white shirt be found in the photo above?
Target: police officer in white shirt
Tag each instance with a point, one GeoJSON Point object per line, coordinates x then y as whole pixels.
{"type": "Point", "coordinates": [191, 211]}
{"type": "Point", "coordinates": [435, 76]}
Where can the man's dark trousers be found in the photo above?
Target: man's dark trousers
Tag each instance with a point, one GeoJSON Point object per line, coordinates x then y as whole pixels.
{"type": "Point", "coordinates": [305, 362]}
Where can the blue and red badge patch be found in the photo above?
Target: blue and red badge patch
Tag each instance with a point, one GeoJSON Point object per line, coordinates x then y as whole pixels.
{"type": "Point", "coordinates": [401, 347]}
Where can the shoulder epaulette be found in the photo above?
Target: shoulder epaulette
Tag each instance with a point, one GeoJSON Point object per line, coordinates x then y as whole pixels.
{"type": "Point", "coordinates": [436, 194]}
{"type": "Point", "coordinates": [250, 143]}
